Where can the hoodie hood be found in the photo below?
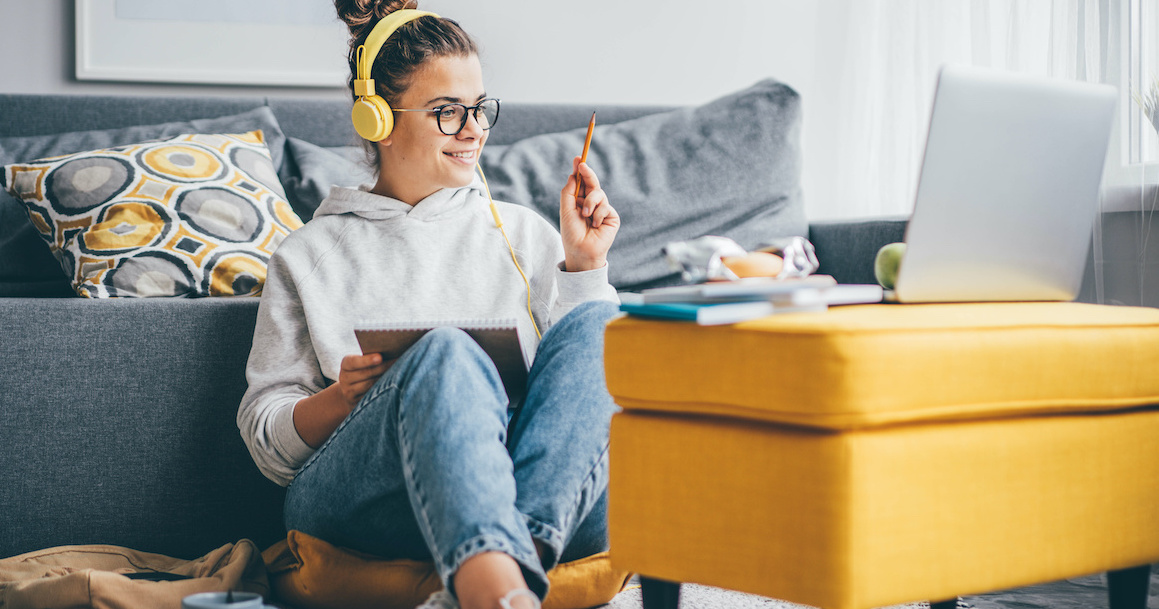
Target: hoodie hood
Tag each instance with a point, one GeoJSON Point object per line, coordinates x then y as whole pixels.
{"type": "Point", "coordinates": [363, 203]}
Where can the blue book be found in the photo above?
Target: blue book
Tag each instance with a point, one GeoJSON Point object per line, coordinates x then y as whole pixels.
{"type": "Point", "coordinates": [712, 314]}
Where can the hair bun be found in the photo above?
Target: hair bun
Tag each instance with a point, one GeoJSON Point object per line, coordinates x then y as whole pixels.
{"type": "Point", "coordinates": [361, 15]}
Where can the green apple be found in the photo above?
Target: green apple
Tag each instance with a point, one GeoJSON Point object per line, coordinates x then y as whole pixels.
{"type": "Point", "coordinates": [887, 262]}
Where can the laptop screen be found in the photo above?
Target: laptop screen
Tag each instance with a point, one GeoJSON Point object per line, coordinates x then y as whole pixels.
{"type": "Point", "coordinates": [1008, 190]}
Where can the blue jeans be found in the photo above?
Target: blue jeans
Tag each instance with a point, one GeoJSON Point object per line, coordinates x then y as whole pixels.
{"type": "Point", "coordinates": [433, 465]}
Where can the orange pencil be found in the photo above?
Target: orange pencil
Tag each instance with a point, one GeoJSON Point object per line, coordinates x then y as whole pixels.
{"type": "Point", "coordinates": [584, 156]}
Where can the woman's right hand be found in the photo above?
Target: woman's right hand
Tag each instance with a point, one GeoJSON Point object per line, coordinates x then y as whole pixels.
{"type": "Point", "coordinates": [317, 416]}
{"type": "Point", "coordinates": [357, 374]}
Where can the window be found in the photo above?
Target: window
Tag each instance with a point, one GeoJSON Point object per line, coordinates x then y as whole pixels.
{"type": "Point", "coordinates": [1131, 181]}
{"type": "Point", "coordinates": [1142, 77]}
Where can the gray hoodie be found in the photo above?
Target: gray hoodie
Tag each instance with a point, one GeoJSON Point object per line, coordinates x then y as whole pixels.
{"type": "Point", "coordinates": [369, 258]}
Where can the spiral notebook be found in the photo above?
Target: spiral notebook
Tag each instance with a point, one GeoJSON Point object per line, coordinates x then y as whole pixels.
{"type": "Point", "coordinates": [499, 339]}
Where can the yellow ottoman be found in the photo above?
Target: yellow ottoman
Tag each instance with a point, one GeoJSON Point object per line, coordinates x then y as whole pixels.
{"type": "Point", "coordinates": [876, 455]}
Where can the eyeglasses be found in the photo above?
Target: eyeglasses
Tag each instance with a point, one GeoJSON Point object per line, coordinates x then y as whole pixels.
{"type": "Point", "coordinates": [453, 117]}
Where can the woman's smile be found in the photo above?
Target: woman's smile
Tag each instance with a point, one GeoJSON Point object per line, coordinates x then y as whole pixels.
{"type": "Point", "coordinates": [464, 156]}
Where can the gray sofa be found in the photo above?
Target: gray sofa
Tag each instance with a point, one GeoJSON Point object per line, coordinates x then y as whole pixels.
{"type": "Point", "coordinates": [117, 417]}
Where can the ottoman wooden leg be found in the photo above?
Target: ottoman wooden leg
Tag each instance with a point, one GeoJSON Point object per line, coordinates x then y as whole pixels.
{"type": "Point", "coordinates": [659, 594]}
{"type": "Point", "coordinates": [950, 604]}
{"type": "Point", "coordinates": [1128, 588]}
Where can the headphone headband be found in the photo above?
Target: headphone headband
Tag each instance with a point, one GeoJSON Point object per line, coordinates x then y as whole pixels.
{"type": "Point", "coordinates": [368, 50]}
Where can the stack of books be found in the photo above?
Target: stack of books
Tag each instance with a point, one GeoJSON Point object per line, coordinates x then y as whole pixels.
{"type": "Point", "coordinates": [726, 302]}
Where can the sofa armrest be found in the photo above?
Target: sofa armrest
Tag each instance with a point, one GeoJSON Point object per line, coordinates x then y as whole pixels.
{"type": "Point", "coordinates": [846, 248]}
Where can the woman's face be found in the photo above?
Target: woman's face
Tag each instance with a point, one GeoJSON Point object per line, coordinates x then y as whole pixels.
{"type": "Point", "coordinates": [417, 158]}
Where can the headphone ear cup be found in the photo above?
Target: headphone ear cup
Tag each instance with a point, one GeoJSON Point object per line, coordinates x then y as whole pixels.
{"type": "Point", "coordinates": [372, 118]}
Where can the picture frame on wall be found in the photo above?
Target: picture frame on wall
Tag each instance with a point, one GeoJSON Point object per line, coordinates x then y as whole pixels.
{"type": "Point", "coordinates": [256, 42]}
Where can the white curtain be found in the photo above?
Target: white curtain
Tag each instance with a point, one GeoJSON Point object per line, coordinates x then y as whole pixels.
{"type": "Point", "coordinates": [888, 67]}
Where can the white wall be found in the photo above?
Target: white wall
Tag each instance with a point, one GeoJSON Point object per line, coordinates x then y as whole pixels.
{"type": "Point", "coordinates": [643, 51]}
{"type": "Point", "coordinates": [635, 52]}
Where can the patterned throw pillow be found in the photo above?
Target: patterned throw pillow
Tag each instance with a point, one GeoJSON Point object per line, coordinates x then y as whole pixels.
{"type": "Point", "coordinates": [195, 215]}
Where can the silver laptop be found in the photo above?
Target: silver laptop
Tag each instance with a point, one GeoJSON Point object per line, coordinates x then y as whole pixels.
{"type": "Point", "coordinates": [1009, 188]}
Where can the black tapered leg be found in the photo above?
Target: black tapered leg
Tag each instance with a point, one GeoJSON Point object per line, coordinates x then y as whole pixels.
{"type": "Point", "coordinates": [950, 604]}
{"type": "Point", "coordinates": [659, 594]}
{"type": "Point", "coordinates": [1128, 588]}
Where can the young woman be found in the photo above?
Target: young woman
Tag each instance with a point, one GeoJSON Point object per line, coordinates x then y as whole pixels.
{"type": "Point", "coordinates": [423, 457]}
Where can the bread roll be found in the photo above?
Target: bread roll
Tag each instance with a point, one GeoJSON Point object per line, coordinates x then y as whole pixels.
{"type": "Point", "coordinates": [754, 264]}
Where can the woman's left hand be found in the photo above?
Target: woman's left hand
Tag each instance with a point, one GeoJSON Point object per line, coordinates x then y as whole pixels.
{"type": "Point", "coordinates": [588, 224]}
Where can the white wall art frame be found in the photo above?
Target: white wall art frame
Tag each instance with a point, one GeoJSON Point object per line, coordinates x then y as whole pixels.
{"type": "Point", "coordinates": [255, 42]}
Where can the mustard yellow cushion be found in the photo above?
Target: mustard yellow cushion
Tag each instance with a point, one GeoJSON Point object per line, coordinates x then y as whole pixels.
{"type": "Point", "coordinates": [859, 366]}
{"type": "Point", "coordinates": [312, 574]}
{"type": "Point", "coordinates": [883, 515]}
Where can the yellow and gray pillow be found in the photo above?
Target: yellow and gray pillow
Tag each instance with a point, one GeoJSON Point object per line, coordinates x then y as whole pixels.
{"type": "Point", "coordinates": [193, 215]}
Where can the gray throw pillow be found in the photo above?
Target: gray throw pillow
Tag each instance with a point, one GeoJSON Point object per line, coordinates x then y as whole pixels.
{"type": "Point", "coordinates": [311, 170]}
{"type": "Point", "coordinates": [730, 167]}
{"type": "Point", "coordinates": [27, 268]}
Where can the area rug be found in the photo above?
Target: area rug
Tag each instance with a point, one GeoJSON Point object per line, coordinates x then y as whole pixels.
{"type": "Point", "coordinates": [1088, 592]}
{"type": "Point", "coordinates": [693, 596]}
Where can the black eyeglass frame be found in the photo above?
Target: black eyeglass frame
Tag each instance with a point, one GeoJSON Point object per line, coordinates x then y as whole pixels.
{"type": "Point", "coordinates": [473, 110]}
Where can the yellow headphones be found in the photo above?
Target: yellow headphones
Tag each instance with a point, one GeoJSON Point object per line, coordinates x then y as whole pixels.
{"type": "Point", "coordinates": [372, 117]}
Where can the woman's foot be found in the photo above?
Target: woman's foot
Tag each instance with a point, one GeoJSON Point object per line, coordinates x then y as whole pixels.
{"type": "Point", "coordinates": [440, 600]}
{"type": "Point", "coordinates": [487, 580]}
{"type": "Point", "coordinates": [520, 598]}
{"type": "Point", "coordinates": [525, 598]}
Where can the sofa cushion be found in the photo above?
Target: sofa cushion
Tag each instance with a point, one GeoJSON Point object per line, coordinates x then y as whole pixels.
{"type": "Point", "coordinates": [194, 215]}
{"type": "Point", "coordinates": [863, 366]}
{"type": "Point", "coordinates": [27, 268]}
{"type": "Point", "coordinates": [314, 574]}
{"type": "Point", "coordinates": [310, 170]}
{"type": "Point", "coordinates": [730, 167]}
{"type": "Point", "coordinates": [120, 423]}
